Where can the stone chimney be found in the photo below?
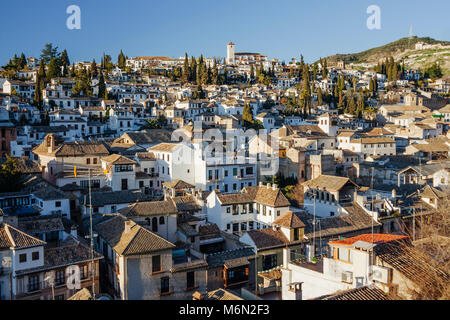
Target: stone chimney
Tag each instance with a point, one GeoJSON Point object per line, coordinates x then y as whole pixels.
{"type": "Point", "coordinates": [74, 232]}
{"type": "Point", "coordinates": [268, 185]}
{"type": "Point", "coordinates": [197, 295]}
{"type": "Point", "coordinates": [295, 291]}
{"type": "Point", "coordinates": [260, 183]}
{"type": "Point", "coordinates": [50, 140]}
{"type": "Point", "coordinates": [128, 225]}
{"type": "Point", "coordinates": [274, 187]}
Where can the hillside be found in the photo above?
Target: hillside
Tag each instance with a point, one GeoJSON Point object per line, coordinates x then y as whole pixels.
{"type": "Point", "coordinates": [403, 49]}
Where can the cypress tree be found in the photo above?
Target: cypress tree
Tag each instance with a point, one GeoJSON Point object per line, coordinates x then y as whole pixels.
{"type": "Point", "coordinates": [186, 69]}
{"type": "Point", "coordinates": [121, 60]}
{"type": "Point", "coordinates": [101, 86]}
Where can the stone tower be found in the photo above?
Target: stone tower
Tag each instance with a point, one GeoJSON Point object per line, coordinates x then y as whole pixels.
{"type": "Point", "coordinates": [230, 53]}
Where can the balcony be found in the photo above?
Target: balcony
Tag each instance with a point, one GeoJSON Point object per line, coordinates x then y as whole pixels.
{"type": "Point", "coordinates": [250, 176]}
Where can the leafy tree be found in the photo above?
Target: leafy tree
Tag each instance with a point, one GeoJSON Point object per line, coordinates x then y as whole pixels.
{"type": "Point", "coordinates": [10, 176]}
{"type": "Point", "coordinates": [49, 52]}
{"type": "Point", "coordinates": [152, 124]}
{"type": "Point", "coordinates": [82, 83]}
{"type": "Point", "coordinates": [434, 72]}
{"type": "Point", "coordinates": [107, 63]}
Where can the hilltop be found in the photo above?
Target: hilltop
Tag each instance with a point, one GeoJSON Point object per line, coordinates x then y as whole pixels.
{"type": "Point", "coordinates": [402, 49]}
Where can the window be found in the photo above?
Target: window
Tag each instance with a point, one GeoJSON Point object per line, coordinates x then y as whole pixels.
{"type": "Point", "coordinates": [296, 234]}
{"type": "Point", "coordinates": [190, 280]}
{"type": "Point", "coordinates": [156, 264]}
{"type": "Point", "coordinates": [155, 224]}
{"type": "Point", "coordinates": [228, 209]}
{"type": "Point", "coordinates": [57, 204]}
{"type": "Point", "coordinates": [269, 262]}
{"type": "Point", "coordinates": [161, 220]}
{"type": "Point", "coordinates": [250, 225]}
{"type": "Point", "coordinates": [33, 283]}
{"type": "Point", "coordinates": [59, 297]}
{"type": "Point", "coordinates": [84, 271]}
{"type": "Point", "coordinates": [234, 186]}
{"type": "Point", "coordinates": [226, 173]}
{"type": "Point", "coordinates": [59, 277]}
{"type": "Point", "coordinates": [235, 209]}
{"type": "Point", "coordinates": [250, 208]}
{"type": "Point", "coordinates": [228, 226]}
{"type": "Point", "coordinates": [88, 161]}
{"type": "Point", "coordinates": [235, 172]}
{"type": "Point", "coordinates": [35, 256]}
{"type": "Point", "coordinates": [235, 227]}
{"type": "Point", "coordinates": [243, 226]}
{"type": "Point", "coordinates": [22, 257]}
{"type": "Point", "coordinates": [278, 213]}
{"type": "Point", "coordinates": [95, 160]}
{"type": "Point", "coordinates": [343, 254]}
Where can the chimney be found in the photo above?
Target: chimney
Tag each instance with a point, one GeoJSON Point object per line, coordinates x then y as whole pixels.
{"type": "Point", "coordinates": [198, 296]}
{"type": "Point", "coordinates": [74, 232]}
{"type": "Point", "coordinates": [260, 183]}
{"type": "Point", "coordinates": [295, 291]}
{"type": "Point", "coordinates": [128, 226]}
{"type": "Point", "coordinates": [274, 187]}
{"type": "Point", "coordinates": [268, 185]}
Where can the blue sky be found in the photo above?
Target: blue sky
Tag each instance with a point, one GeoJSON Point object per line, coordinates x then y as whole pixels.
{"type": "Point", "coordinates": [283, 28]}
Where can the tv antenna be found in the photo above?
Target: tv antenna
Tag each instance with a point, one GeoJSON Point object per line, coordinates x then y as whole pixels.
{"type": "Point", "coordinates": [411, 35]}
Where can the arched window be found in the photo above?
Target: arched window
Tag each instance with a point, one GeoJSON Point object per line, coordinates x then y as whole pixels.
{"type": "Point", "coordinates": [155, 224]}
{"type": "Point", "coordinates": [161, 220]}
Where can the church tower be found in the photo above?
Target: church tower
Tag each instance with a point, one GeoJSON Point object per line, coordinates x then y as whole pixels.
{"type": "Point", "coordinates": [230, 53]}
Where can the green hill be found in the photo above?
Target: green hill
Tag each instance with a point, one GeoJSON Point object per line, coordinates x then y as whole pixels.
{"type": "Point", "coordinates": [375, 54]}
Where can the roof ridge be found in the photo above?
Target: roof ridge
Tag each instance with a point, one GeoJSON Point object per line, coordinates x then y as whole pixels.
{"type": "Point", "coordinates": [9, 234]}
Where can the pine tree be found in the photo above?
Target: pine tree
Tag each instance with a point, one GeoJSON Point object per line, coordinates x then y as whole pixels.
{"type": "Point", "coordinates": [53, 70]}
